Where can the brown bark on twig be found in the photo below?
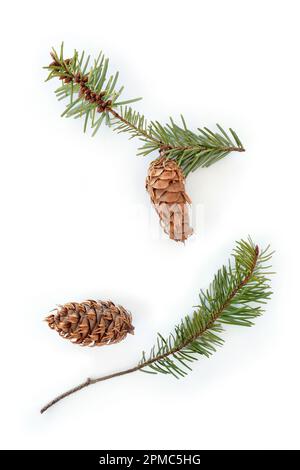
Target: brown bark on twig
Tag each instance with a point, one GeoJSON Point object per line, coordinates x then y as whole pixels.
{"type": "Point", "coordinates": [216, 315]}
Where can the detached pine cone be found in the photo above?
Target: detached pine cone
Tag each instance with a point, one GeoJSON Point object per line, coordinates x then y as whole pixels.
{"type": "Point", "coordinates": [91, 323]}
{"type": "Point", "coordinates": [165, 185]}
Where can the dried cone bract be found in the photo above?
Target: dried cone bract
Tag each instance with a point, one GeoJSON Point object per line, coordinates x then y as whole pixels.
{"type": "Point", "coordinates": [165, 185]}
{"type": "Point", "coordinates": [91, 323]}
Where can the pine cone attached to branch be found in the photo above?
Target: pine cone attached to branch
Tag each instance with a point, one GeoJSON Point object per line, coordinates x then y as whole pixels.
{"type": "Point", "coordinates": [165, 185]}
{"type": "Point", "coordinates": [91, 323]}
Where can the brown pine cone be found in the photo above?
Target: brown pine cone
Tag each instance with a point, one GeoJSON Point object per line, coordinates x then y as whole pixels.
{"type": "Point", "coordinates": [165, 185]}
{"type": "Point", "coordinates": [91, 323]}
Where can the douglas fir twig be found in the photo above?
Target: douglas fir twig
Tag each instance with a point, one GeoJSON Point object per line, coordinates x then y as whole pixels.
{"type": "Point", "coordinates": [235, 297]}
{"type": "Point", "coordinates": [92, 94]}
{"type": "Point", "coordinates": [91, 323]}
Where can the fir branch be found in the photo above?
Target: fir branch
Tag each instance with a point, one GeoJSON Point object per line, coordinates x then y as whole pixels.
{"type": "Point", "coordinates": [235, 296]}
{"type": "Point", "coordinates": [90, 92]}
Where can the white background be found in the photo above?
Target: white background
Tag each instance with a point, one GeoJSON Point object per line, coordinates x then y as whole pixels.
{"type": "Point", "coordinates": [77, 224]}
